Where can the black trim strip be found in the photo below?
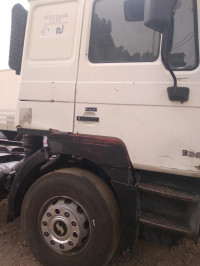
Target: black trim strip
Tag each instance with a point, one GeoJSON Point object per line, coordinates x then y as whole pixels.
{"type": "Point", "coordinates": [91, 109]}
{"type": "Point", "coordinates": [87, 118]}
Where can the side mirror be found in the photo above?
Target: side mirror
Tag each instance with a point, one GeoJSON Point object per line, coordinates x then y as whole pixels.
{"type": "Point", "coordinates": [134, 10]}
{"type": "Point", "coordinates": [18, 27]}
{"type": "Point", "coordinates": [157, 14]}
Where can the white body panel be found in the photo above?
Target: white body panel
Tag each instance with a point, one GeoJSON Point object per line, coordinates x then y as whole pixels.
{"type": "Point", "coordinates": [133, 106]}
{"type": "Point", "coordinates": [45, 115]}
{"type": "Point", "coordinates": [50, 60]}
{"type": "Point", "coordinates": [131, 98]}
{"type": "Point", "coordinates": [8, 100]}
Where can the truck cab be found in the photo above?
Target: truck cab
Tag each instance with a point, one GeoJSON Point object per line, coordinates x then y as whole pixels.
{"type": "Point", "coordinates": [86, 55]}
{"type": "Point", "coordinates": [114, 87]}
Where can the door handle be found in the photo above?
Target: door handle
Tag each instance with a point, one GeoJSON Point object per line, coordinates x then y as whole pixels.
{"type": "Point", "coordinates": [87, 118]}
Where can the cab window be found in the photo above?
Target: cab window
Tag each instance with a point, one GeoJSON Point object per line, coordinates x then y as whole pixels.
{"type": "Point", "coordinates": [113, 39]}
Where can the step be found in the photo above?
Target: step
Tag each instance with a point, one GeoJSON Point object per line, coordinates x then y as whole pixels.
{"type": "Point", "coordinates": [169, 192]}
{"type": "Point", "coordinates": [161, 222]}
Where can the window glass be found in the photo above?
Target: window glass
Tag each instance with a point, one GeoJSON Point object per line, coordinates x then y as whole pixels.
{"type": "Point", "coordinates": [184, 43]}
{"type": "Point", "coordinates": [115, 40]}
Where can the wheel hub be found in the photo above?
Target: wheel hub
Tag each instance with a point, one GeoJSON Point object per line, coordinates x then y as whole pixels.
{"type": "Point", "coordinates": [64, 225]}
{"type": "Point", "coordinates": [60, 228]}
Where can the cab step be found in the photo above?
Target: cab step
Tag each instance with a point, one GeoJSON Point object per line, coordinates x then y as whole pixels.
{"type": "Point", "coordinates": [161, 222]}
{"type": "Point", "coordinates": [169, 192]}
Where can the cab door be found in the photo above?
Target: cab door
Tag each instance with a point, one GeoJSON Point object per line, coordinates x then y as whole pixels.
{"type": "Point", "coordinates": [122, 86]}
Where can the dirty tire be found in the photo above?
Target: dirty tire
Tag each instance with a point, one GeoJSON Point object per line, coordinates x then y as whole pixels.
{"type": "Point", "coordinates": [99, 205]}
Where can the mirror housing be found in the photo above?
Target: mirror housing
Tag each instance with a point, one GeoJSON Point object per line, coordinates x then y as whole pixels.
{"type": "Point", "coordinates": [157, 14]}
{"type": "Point", "coordinates": [134, 10]}
{"type": "Point", "coordinates": [18, 27]}
{"type": "Point", "coordinates": [180, 94]}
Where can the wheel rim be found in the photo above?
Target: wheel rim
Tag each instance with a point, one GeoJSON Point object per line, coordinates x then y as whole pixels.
{"type": "Point", "coordinates": [64, 225]}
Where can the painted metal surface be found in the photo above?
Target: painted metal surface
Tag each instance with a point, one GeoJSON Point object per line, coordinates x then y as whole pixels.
{"type": "Point", "coordinates": [8, 100]}
{"type": "Point", "coordinates": [103, 151]}
{"type": "Point", "coordinates": [133, 106]}
{"type": "Point", "coordinates": [58, 84]}
{"type": "Point", "coordinates": [49, 65]}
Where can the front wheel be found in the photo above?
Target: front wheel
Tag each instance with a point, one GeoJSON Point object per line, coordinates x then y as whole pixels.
{"type": "Point", "coordinates": [71, 217]}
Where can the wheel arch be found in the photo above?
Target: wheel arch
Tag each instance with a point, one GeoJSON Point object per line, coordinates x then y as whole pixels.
{"type": "Point", "coordinates": [107, 158]}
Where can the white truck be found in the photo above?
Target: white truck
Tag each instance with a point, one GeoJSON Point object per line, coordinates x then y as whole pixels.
{"type": "Point", "coordinates": [114, 87]}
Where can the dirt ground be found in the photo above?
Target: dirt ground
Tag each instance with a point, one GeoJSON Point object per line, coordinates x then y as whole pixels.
{"type": "Point", "coordinates": [14, 252]}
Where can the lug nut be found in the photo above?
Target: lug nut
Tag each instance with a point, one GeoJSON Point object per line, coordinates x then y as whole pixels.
{"type": "Point", "coordinates": [75, 235]}
{"type": "Point", "coordinates": [73, 223]}
{"type": "Point", "coordinates": [44, 223]}
{"type": "Point", "coordinates": [48, 214]}
{"type": "Point", "coordinates": [46, 234]}
{"type": "Point", "coordinates": [62, 246]}
{"type": "Point", "coordinates": [57, 211]}
{"type": "Point", "coordinates": [52, 242]}
{"type": "Point", "coordinates": [66, 214]}
{"type": "Point", "coordinates": [70, 243]}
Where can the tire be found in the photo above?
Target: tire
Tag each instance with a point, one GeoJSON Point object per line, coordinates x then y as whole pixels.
{"type": "Point", "coordinates": [84, 198]}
